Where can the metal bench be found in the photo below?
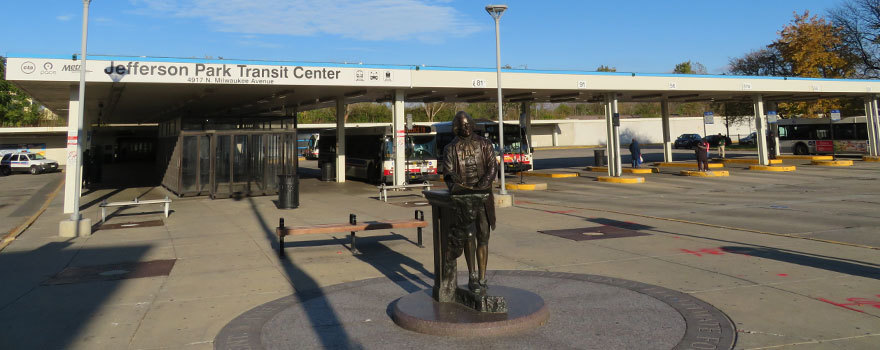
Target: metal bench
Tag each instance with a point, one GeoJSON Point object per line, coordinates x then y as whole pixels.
{"type": "Point", "coordinates": [104, 205]}
{"type": "Point", "coordinates": [383, 189]}
{"type": "Point", "coordinates": [352, 226]}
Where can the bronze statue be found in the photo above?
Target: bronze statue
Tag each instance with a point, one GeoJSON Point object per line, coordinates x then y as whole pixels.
{"type": "Point", "coordinates": [469, 169]}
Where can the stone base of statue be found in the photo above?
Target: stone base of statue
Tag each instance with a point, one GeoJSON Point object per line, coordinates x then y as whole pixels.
{"type": "Point", "coordinates": [480, 302]}
{"type": "Point", "coordinates": [419, 312]}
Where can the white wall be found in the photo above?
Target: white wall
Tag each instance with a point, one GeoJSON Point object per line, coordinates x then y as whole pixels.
{"type": "Point", "coordinates": [647, 130]}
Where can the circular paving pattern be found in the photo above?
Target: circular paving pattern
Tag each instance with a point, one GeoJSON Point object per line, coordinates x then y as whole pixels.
{"type": "Point", "coordinates": [586, 311]}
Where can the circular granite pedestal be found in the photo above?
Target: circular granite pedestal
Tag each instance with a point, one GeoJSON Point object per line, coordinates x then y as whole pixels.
{"type": "Point", "coordinates": [419, 312]}
{"type": "Point", "coordinates": [586, 312]}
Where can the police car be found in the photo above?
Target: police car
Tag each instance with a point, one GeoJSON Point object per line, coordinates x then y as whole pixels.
{"type": "Point", "coordinates": [26, 162]}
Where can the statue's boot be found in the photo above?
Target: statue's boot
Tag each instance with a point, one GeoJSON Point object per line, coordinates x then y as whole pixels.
{"type": "Point", "coordinates": [474, 284]}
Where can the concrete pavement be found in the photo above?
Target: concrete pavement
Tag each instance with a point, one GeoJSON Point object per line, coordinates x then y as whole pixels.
{"type": "Point", "coordinates": [718, 239]}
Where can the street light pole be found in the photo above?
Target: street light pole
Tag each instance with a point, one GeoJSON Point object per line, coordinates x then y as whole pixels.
{"type": "Point", "coordinates": [80, 114]}
{"type": "Point", "coordinates": [496, 11]}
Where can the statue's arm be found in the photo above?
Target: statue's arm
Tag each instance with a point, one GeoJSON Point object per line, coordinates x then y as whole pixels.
{"type": "Point", "coordinates": [491, 166]}
{"type": "Point", "coordinates": [450, 175]}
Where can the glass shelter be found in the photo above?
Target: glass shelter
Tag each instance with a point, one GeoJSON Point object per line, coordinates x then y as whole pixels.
{"type": "Point", "coordinates": [230, 162]}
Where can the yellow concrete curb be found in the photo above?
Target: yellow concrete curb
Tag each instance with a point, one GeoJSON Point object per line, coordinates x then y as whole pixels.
{"type": "Point", "coordinates": [832, 162]}
{"type": "Point", "coordinates": [711, 173]}
{"type": "Point", "coordinates": [625, 170]}
{"type": "Point", "coordinates": [790, 156]}
{"type": "Point", "coordinates": [871, 158]}
{"type": "Point", "coordinates": [552, 175]}
{"type": "Point", "coordinates": [526, 187]}
{"type": "Point", "coordinates": [772, 168]}
{"type": "Point", "coordinates": [687, 165]}
{"type": "Point", "coordinates": [748, 161]}
{"type": "Point", "coordinates": [622, 179]}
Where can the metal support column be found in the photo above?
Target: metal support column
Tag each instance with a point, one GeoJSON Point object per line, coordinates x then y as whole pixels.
{"type": "Point", "coordinates": [399, 127]}
{"type": "Point", "coordinates": [340, 139]}
{"type": "Point", "coordinates": [525, 122]}
{"type": "Point", "coordinates": [72, 178]}
{"type": "Point", "coordinates": [761, 130]}
{"type": "Point", "coordinates": [875, 106]}
{"type": "Point", "coordinates": [869, 119]}
{"type": "Point", "coordinates": [667, 133]}
{"type": "Point", "coordinates": [618, 168]}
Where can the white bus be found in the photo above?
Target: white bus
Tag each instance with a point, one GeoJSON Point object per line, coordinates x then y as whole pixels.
{"type": "Point", "coordinates": [370, 153]}
{"type": "Point", "coordinates": [813, 136]}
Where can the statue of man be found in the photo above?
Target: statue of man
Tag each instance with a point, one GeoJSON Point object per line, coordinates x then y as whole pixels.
{"type": "Point", "coordinates": [469, 169]}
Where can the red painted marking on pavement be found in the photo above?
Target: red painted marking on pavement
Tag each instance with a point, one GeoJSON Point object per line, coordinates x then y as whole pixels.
{"type": "Point", "coordinates": [782, 274]}
{"type": "Point", "coordinates": [560, 211]}
{"type": "Point", "coordinates": [841, 305]}
{"type": "Point", "coordinates": [712, 251]}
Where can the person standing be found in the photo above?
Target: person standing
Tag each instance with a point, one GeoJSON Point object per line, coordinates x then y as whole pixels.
{"type": "Point", "coordinates": [636, 153]}
{"type": "Point", "coordinates": [771, 143]}
{"type": "Point", "coordinates": [702, 152]}
{"type": "Point", "coordinates": [722, 141]}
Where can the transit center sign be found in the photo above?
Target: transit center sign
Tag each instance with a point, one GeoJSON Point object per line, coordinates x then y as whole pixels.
{"type": "Point", "coordinates": [233, 72]}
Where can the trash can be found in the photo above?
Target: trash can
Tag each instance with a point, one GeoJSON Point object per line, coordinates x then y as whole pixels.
{"type": "Point", "coordinates": [328, 171]}
{"type": "Point", "coordinates": [288, 191]}
{"type": "Point", "coordinates": [599, 157]}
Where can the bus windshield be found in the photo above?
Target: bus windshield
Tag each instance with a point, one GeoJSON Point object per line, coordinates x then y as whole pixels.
{"type": "Point", "coordinates": [421, 147]}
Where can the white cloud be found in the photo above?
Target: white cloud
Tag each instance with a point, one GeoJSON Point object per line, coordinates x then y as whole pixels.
{"type": "Point", "coordinates": [64, 17]}
{"type": "Point", "coordinates": [359, 19]}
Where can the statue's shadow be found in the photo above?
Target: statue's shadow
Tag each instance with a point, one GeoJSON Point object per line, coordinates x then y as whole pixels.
{"type": "Point", "coordinates": [406, 272]}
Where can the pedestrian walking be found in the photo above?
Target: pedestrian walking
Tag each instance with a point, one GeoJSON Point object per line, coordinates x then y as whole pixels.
{"type": "Point", "coordinates": [722, 141]}
{"type": "Point", "coordinates": [702, 152]}
{"type": "Point", "coordinates": [636, 153]}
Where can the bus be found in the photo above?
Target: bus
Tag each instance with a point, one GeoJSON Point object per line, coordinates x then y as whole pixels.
{"type": "Point", "coordinates": [313, 150]}
{"type": "Point", "coordinates": [370, 153]}
{"type": "Point", "coordinates": [813, 136]}
{"type": "Point", "coordinates": [517, 152]}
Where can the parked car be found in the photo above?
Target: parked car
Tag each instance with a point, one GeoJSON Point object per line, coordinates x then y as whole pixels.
{"type": "Point", "coordinates": [4, 165]}
{"type": "Point", "coordinates": [33, 163]}
{"type": "Point", "coordinates": [715, 140]}
{"type": "Point", "coordinates": [748, 140]}
{"type": "Point", "coordinates": [687, 141]}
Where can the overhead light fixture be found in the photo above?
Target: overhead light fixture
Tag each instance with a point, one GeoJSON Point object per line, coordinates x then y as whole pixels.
{"type": "Point", "coordinates": [434, 99]}
{"type": "Point", "coordinates": [525, 94]}
{"type": "Point", "coordinates": [524, 99]}
{"type": "Point", "coordinates": [475, 100]}
{"type": "Point", "coordinates": [685, 96]}
{"type": "Point", "coordinates": [575, 94]}
{"type": "Point", "coordinates": [354, 94]}
{"type": "Point", "coordinates": [420, 94]}
{"type": "Point", "coordinates": [470, 94]}
{"type": "Point", "coordinates": [647, 96]}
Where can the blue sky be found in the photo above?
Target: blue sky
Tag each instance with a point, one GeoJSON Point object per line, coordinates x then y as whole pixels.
{"type": "Point", "coordinates": [633, 36]}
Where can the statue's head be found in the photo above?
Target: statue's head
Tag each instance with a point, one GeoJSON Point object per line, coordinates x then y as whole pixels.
{"type": "Point", "coordinates": [462, 124]}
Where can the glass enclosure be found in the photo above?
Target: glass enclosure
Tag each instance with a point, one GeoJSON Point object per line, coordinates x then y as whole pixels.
{"type": "Point", "coordinates": [231, 162]}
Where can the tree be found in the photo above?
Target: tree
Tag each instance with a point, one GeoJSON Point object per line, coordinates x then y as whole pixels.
{"type": "Point", "coordinates": [766, 61]}
{"type": "Point", "coordinates": [813, 47]}
{"type": "Point", "coordinates": [16, 108]}
{"type": "Point", "coordinates": [689, 67]}
{"type": "Point", "coordinates": [431, 109]}
{"type": "Point", "coordinates": [858, 22]}
{"type": "Point", "coordinates": [604, 68]}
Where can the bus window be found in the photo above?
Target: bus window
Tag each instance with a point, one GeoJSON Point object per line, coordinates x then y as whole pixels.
{"type": "Point", "coordinates": [861, 131]}
{"type": "Point", "coordinates": [783, 132]}
{"type": "Point", "coordinates": [421, 147]}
